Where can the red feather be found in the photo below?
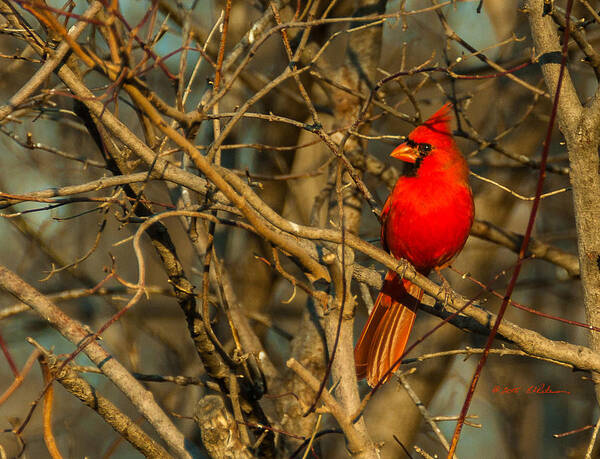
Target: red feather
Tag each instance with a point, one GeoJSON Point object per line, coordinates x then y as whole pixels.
{"type": "Point", "coordinates": [425, 220]}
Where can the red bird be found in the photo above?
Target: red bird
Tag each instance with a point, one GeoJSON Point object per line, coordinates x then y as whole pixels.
{"type": "Point", "coordinates": [426, 220]}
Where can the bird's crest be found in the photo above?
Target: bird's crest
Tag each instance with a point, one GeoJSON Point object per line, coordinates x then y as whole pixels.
{"type": "Point", "coordinates": [437, 126]}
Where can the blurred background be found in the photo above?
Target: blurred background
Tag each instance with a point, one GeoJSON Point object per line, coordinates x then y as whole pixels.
{"type": "Point", "coordinates": [45, 145]}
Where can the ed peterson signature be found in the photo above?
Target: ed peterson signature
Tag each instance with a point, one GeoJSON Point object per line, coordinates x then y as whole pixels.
{"type": "Point", "coordinates": [543, 389]}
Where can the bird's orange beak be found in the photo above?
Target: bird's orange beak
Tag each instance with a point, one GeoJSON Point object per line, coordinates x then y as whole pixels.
{"type": "Point", "coordinates": [406, 153]}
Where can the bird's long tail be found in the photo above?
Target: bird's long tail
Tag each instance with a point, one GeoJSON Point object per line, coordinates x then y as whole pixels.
{"type": "Point", "coordinates": [386, 332]}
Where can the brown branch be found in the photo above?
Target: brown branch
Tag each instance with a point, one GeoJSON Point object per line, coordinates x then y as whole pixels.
{"type": "Point", "coordinates": [468, 351]}
{"type": "Point", "coordinates": [343, 370]}
{"type": "Point", "coordinates": [545, 38]}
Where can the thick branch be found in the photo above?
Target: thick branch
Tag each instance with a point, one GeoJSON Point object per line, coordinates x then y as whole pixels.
{"type": "Point", "coordinates": [358, 442]}
{"type": "Point", "coordinates": [343, 370]}
{"type": "Point", "coordinates": [547, 47]}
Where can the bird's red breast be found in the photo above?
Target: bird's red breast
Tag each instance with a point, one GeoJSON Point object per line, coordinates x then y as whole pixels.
{"type": "Point", "coordinates": [427, 217]}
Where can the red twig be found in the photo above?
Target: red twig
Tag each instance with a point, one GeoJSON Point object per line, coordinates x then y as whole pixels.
{"type": "Point", "coordinates": [571, 432]}
{"type": "Point", "coordinates": [526, 237]}
{"type": "Point", "coordinates": [222, 45]}
{"type": "Point", "coordinates": [523, 307]}
{"type": "Point", "coordinates": [9, 359]}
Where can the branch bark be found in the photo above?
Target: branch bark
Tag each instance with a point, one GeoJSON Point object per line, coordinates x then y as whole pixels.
{"type": "Point", "coordinates": [219, 429]}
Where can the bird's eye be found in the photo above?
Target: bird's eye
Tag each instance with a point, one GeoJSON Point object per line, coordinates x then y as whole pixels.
{"type": "Point", "coordinates": [424, 148]}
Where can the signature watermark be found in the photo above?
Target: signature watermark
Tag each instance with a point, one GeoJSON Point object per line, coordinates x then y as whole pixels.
{"type": "Point", "coordinates": [541, 389]}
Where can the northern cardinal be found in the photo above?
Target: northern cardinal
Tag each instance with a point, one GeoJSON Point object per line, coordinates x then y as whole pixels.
{"type": "Point", "coordinates": [426, 220]}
